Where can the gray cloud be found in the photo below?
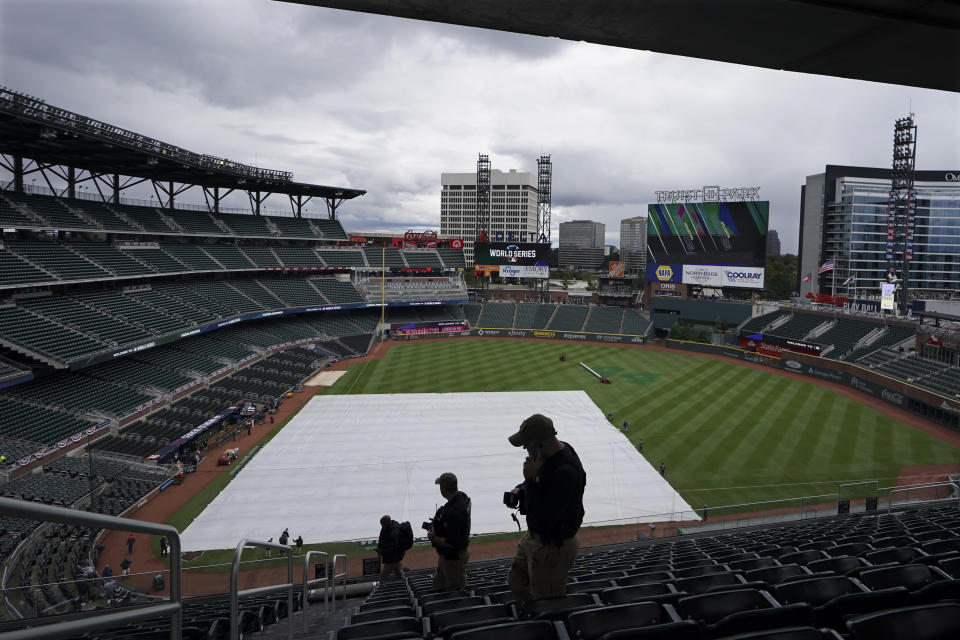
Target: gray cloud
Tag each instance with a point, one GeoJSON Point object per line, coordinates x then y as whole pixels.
{"type": "Point", "coordinates": [386, 105]}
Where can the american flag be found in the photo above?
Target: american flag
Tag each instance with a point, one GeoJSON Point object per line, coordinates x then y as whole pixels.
{"type": "Point", "coordinates": [808, 277]}
{"type": "Point", "coordinates": [826, 266]}
{"type": "Point", "coordinates": [850, 279]}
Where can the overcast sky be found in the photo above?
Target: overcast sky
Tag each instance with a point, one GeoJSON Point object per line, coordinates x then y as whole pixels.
{"type": "Point", "coordinates": [387, 105]}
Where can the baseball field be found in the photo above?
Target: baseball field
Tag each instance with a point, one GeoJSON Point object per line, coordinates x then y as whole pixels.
{"type": "Point", "coordinates": [728, 434]}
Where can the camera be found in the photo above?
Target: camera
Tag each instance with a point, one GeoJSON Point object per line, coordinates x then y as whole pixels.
{"type": "Point", "coordinates": [516, 500]}
{"type": "Point", "coordinates": [426, 525]}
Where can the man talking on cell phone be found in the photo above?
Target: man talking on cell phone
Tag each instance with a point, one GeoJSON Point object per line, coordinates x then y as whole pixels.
{"type": "Point", "coordinates": [552, 498]}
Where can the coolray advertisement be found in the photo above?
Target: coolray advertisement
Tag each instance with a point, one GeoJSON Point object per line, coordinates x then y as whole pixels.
{"type": "Point", "coordinates": [703, 275]}
{"type": "Point", "coordinates": [522, 254]}
{"type": "Point", "coordinates": [665, 273]}
{"type": "Point", "coordinates": [513, 271]}
{"type": "Point", "coordinates": [708, 233]}
{"type": "Point", "coordinates": [744, 277]}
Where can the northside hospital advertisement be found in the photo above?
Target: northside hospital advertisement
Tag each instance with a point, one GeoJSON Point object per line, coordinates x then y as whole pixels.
{"type": "Point", "coordinates": [708, 244]}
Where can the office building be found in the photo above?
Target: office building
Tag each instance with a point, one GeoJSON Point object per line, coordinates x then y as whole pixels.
{"type": "Point", "coordinates": [633, 244]}
{"type": "Point", "coordinates": [581, 244]}
{"type": "Point", "coordinates": [513, 207]}
{"type": "Point", "coordinates": [773, 243]}
{"type": "Point", "coordinates": [843, 218]}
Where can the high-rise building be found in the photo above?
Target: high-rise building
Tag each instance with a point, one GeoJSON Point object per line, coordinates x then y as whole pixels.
{"type": "Point", "coordinates": [773, 242]}
{"type": "Point", "coordinates": [513, 207]}
{"type": "Point", "coordinates": [633, 244]}
{"type": "Point", "coordinates": [843, 219]}
{"type": "Point", "coordinates": [581, 244]}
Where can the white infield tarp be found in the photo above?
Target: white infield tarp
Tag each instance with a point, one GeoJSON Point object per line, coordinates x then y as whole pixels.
{"type": "Point", "coordinates": [346, 460]}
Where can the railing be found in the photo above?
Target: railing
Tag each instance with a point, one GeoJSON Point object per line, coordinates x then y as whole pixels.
{"type": "Point", "coordinates": [235, 593]}
{"type": "Point", "coordinates": [173, 610]}
{"type": "Point", "coordinates": [926, 488]}
{"type": "Point", "coordinates": [336, 575]}
{"type": "Point", "coordinates": [327, 582]}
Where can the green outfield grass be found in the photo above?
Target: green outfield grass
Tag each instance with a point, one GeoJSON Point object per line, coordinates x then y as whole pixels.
{"type": "Point", "coordinates": [728, 434]}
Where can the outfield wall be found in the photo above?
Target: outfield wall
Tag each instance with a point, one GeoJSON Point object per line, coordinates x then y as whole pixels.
{"type": "Point", "coordinates": [573, 336]}
{"type": "Point", "coordinates": [921, 402]}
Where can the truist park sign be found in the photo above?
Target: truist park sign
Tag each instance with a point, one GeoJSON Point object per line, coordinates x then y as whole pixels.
{"type": "Point", "coordinates": [709, 194]}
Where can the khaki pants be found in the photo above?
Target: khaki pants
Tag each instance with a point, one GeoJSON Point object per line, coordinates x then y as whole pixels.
{"type": "Point", "coordinates": [451, 573]}
{"type": "Point", "coordinates": [391, 569]}
{"type": "Point", "coordinates": [540, 570]}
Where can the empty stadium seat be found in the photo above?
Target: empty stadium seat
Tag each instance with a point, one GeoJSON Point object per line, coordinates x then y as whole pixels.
{"type": "Point", "coordinates": [930, 622]}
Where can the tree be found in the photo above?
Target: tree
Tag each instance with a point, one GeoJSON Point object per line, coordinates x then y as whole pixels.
{"type": "Point", "coordinates": [781, 276]}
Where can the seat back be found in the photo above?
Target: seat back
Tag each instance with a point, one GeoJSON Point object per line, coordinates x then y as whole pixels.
{"type": "Point", "coordinates": [930, 622]}
{"type": "Point", "coordinates": [594, 623]}
{"type": "Point", "coordinates": [526, 630]}
{"type": "Point", "coordinates": [711, 607]}
{"type": "Point", "coordinates": [815, 591]}
{"type": "Point", "coordinates": [911, 576]}
{"type": "Point", "coordinates": [391, 626]}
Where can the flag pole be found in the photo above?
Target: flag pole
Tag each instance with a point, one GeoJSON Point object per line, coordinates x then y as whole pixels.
{"type": "Point", "coordinates": [833, 281]}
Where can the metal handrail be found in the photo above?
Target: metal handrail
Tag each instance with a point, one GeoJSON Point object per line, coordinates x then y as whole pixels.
{"type": "Point", "coordinates": [173, 610]}
{"type": "Point", "coordinates": [306, 584]}
{"type": "Point", "coordinates": [235, 593]}
{"type": "Point", "coordinates": [933, 485]}
{"type": "Point", "coordinates": [339, 575]}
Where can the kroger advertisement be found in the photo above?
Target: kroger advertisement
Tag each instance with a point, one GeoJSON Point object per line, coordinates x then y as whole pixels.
{"type": "Point", "coordinates": [706, 275]}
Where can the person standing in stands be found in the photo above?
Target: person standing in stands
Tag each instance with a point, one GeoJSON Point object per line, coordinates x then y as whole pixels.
{"type": "Point", "coordinates": [125, 567]}
{"type": "Point", "coordinates": [388, 548]}
{"type": "Point", "coordinates": [299, 543]}
{"type": "Point", "coordinates": [284, 537]}
{"type": "Point", "coordinates": [553, 485]}
{"type": "Point", "coordinates": [449, 534]}
{"type": "Point", "coordinates": [663, 469]}
{"type": "Point", "coordinates": [130, 541]}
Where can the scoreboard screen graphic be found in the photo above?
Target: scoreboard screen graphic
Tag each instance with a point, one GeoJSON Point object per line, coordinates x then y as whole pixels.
{"type": "Point", "coordinates": [519, 254]}
{"type": "Point", "coordinates": [708, 233]}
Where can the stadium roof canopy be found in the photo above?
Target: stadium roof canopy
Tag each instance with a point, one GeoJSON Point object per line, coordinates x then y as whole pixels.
{"type": "Point", "coordinates": [891, 41]}
{"type": "Point", "coordinates": [31, 128]}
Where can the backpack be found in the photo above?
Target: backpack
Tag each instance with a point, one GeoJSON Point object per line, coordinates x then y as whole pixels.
{"type": "Point", "coordinates": [404, 536]}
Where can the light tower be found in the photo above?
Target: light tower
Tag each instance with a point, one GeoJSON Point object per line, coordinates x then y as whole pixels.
{"type": "Point", "coordinates": [901, 208]}
{"type": "Point", "coordinates": [544, 200]}
{"type": "Point", "coordinates": [482, 214]}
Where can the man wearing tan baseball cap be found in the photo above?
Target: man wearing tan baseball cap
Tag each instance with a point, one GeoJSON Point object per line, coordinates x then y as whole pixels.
{"type": "Point", "coordinates": [449, 533]}
{"type": "Point", "coordinates": [554, 481]}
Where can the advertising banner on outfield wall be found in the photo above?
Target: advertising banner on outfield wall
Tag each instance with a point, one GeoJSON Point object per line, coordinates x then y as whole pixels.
{"type": "Point", "coordinates": [743, 277]}
{"type": "Point", "coordinates": [558, 335]}
{"type": "Point", "coordinates": [702, 274]}
{"type": "Point", "coordinates": [522, 271]}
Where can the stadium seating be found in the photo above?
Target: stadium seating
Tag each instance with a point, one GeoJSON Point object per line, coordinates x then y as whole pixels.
{"type": "Point", "coordinates": [112, 259]}
{"type": "Point", "coordinates": [569, 317]}
{"type": "Point", "coordinates": [157, 259]}
{"type": "Point", "coordinates": [328, 229]}
{"type": "Point", "coordinates": [845, 335]}
{"type": "Point", "coordinates": [19, 327]}
{"type": "Point", "coordinates": [293, 257]}
{"type": "Point", "coordinates": [342, 258]}
{"type": "Point", "coordinates": [634, 323]}
{"type": "Point", "coordinates": [191, 255]}
{"type": "Point", "coordinates": [12, 217]}
{"type": "Point", "coordinates": [421, 258]}
{"type": "Point", "coordinates": [196, 222]}
{"type": "Point", "coordinates": [452, 258]}
{"type": "Point", "coordinates": [497, 315]}
{"type": "Point", "coordinates": [101, 215]}
{"type": "Point", "coordinates": [526, 315]}
{"type": "Point", "coordinates": [545, 313]}
{"type": "Point", "coordinates": [246, 225]}
{"type": "Point", "coordinates": [262, 257]}
{"type": "Point", "coordinates": [292, 227]}
{"type": "Point", "coordinates": [229, 256]}
{"type": "Point", "coordinates": [383, 255]}
{"type": "Point", "coordinates": [147, 218]}
{"type": "Point", "coordinates": [759, 323]}
{"type": "Point", "coordinates": [337, 292]}
{"type": "Point", "coordinates": [798, 326]}
{"type": "Point", "coordinates": [57, 259]}
{"type": "Point", "coordinates": [90, 321]}
{"type": "Point", "coordinates": [604, 319]}
{"type": "Point", "coordinates": [16, 270]}
{"type": "Point", "coordinates": [294, 291]}
{"type": "Point", "coordinates": [54, 213]}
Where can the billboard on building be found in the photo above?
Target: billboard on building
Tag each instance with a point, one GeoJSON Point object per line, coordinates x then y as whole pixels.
{"type": "Point", "coordinates": [525, 254]}
{"type": "Point", "coordinates": [706, 275]}
{"type": "Point", "coordinates": [512, 271]}
{"type": "Point", "coordinates": [709, 233]}
{"type": "Point", "coordinates": [744, 277]}
{"type": "Point", "coordinates": [665, 273]}
{"type": "Point", "coordinates": [617, 269]}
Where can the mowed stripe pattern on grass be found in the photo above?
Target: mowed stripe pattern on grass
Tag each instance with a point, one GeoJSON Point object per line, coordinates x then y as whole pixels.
{"type": "Point", "coordinates": [727, 433]}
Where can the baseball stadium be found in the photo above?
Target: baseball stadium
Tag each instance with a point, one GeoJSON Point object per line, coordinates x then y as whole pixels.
{"type": "Point", "coordinates": [205, 411]}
